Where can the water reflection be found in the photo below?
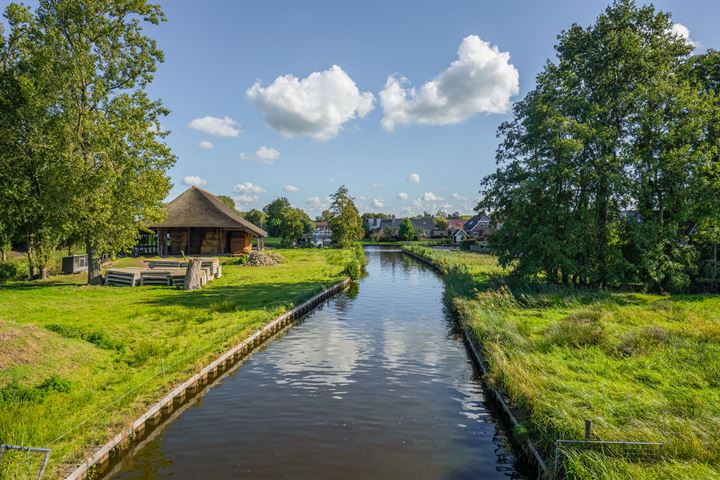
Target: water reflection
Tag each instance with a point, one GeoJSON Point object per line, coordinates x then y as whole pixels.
{"type": "Point", "coordinates": [375, 385]}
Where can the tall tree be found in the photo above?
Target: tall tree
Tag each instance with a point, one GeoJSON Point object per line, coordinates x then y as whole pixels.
{"type": "Point", "coordinates": [345, 223]}
{"type": "Point", "coordinates": [610, 127]}
{"type": "Point", "coordinates": [256, 217]}
{"type": "Point", "coordinates": [35, 173]}
{"type": "Point", "coordinates": [407, 231]}
{"type": "Point", "coordinates": [294, 222]}
{"type": "Point", "coordinates": [274, 211]}
{"type": "Point", "coordinates": [227, 201]}
{"type": "Point", "coordinates": [104, 63]}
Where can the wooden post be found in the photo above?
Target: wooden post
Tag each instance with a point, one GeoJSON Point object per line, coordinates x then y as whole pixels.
{"type": "Point", "coordinates": [188, 241]}
{"type": "Point", "coordinates": [588, 430]}
{"type": "Point", "coordinates": [193, 277]}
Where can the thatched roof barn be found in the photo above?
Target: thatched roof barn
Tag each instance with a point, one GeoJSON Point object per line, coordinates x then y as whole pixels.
{"type": "Point", "coordinates": [198, 223]}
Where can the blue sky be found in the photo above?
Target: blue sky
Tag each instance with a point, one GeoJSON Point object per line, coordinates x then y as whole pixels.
{"type": "Point", "coordinates": [215, 51]}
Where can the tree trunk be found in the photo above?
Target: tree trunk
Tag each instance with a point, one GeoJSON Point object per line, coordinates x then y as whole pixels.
{"type": "Point", "coordinates": [93, 264]}
{"type": "Point", "coordinates": [31, 256]}
{"type": "Point", "coordinates": [193, 276]}
{"type": "Point", "coordinates": [715, 266]}
{"type": "Point", "coordinates": [43, 273]}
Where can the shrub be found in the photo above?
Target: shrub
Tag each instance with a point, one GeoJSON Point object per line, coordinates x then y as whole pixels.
{"type": "Point", "coordinates": [356, 266]}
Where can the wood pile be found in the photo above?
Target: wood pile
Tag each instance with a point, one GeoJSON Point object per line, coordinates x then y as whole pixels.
{"type": "Point", "coordinates": [210, 242]}
{"type": "Point", "coordinates": [164, 272]}
{"type": "Point", "coordinates": [123, 277]}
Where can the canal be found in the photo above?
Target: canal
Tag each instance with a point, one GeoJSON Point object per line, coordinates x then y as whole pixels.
{"type": "Point", "coordinates": [374, 384]}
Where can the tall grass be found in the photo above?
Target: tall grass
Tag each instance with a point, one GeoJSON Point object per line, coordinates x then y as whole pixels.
{"type": "Point", "coordinates": [642, 367]}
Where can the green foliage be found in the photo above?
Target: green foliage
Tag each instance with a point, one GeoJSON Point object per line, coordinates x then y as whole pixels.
{"type": "Point", "coordinates": [256, 217]}
{"type": "Point", "coordinates": [294, 222]}
{"type": "Point", "coordinates": [274, 211]}
{"type": "Point", "coordinates": [227, 201]}
{"type": "Point", "coordinates": [583, 149]}
{"type": "Point", "coordinates": [345, 223]}
{"type": "Point", "coordinates": [83, 141]}
{"type": "Point", "coordinates": [406, 231]}
{"type": "Point", "coordinates": [356, 266]}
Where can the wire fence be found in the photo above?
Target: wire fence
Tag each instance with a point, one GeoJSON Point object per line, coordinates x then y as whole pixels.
{"type": "Point", "coordinates": [631, 451]}
{"type": "Point", "coordinates": [32, 466]}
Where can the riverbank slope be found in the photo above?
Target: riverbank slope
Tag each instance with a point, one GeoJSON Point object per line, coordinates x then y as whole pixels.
{"type": "Point", "coordinates": [78, 363]}
{"type": "Point", "coordinates": [642, 367]}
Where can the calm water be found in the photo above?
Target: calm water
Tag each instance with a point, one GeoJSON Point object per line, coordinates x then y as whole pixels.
{"type": "Point", "coordinates": [372, 385]}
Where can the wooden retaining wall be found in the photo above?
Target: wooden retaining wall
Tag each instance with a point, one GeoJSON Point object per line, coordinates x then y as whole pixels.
{"type": "Point", "coordinates": [97, 464]}
{"type": "Point", "coordinates": [497, 398]}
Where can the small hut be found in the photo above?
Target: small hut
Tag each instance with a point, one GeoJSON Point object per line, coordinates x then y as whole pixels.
{"type": "Point", "coordinates": [198, 223]}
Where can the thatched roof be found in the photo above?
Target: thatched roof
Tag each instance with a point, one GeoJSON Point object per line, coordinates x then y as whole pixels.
{"type": "Point", "coordinates": [196, 207]}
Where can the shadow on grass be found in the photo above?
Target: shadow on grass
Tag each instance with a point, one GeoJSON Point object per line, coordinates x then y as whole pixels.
{"type": "Point", "coordinates": [227, 298]}
{"type": "Point", "coordinates": [34, 284]}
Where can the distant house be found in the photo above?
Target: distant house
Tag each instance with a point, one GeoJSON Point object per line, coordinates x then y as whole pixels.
{"type": "Point", "coordinates": [198, 223]}
{"type": "Point", "coordinates": [459, 235]}
{"type": "Point", "coordinates": [480, 227]}
{"type": "Point", "coordinates": [321, 236]}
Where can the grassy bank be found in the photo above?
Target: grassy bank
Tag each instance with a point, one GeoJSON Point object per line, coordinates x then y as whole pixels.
{"type": "Point", "coordinates": [642, 367]}
{"type": "Point", "coordinates": [70, 353]}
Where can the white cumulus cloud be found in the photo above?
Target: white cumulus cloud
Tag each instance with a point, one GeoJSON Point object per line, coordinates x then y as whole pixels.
{"type": "Point", "coordinates": [219, 127]}
{"type": "Point", "coordinates": [457, 196]}
{"type": "Point", "coordinates": [206, 145]}
{"type": "Point", "coordinates": [245, 199]}
{"type": "Point", "coordinates": [317, 105]}
{"type": "Point", "coordinates": [248, 187]}
{"type": "Point", "coordinates": [378, 202]}
{"type": "Point", "coordinates": [403, 196]}
{"type": "Point", "coordinates": [194, 181]}
{"type": "Point", "coordinates": [481, 80]}
{"type": "Point", "coordinates": [682, 31]}
{"type": "Point", "coordinates": [413, 178]}
{"type": "Point", "coordinates": [314, 202]}
{"type": "Point", "coordinates": [266, 155]}
{"type": "Point", "coordinates": [431, 197]}
{"type": "Point", "coordinates": [290, 188]}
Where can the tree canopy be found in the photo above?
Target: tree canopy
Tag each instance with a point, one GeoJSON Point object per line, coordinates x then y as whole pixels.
{"type": "Point", "coordinates": [612, 158]}
{"type": "Point", "coordinates": [87, 152]}
{"type": "Point", "coordinates": [345, 222]}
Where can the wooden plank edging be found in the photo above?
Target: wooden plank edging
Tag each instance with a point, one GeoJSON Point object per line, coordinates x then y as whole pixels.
{"type": "Point", "coordinates": [100, 459]}
{"type": "Point", "coordinates": [479, 360]}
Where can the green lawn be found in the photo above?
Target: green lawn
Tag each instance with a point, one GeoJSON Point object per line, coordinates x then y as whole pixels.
{"type": "Point", "coordinates": [642, 367]}
{"type": "Point", "coordinates": [70, 353]}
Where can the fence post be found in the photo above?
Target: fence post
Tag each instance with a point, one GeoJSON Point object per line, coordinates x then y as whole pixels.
{"type": "Point", "coordinates": [588, 430]}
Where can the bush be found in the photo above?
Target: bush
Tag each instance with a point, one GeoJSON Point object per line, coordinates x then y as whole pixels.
{"type": "Point", "coordinates": [13, 271]}
{"type": "Point", "coordinates": [356, 266]}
